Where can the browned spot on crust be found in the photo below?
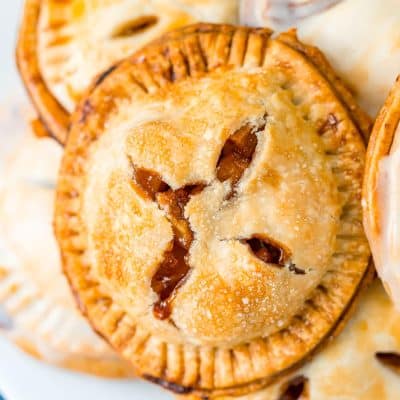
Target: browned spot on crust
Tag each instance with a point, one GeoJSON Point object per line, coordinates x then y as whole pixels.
{"type": "Point", "coordinates": [173, 387]}
{"type": "Point", "coordinates": [271, 177]}
{"type": "Point", "coordinates": [60, 40]}
{"type": "Point", "coordinates": [135, 26]}
{"type": "Point", "coordinates": [104, 75]}
{"type": "Point", "coordinates": [389, 359]}
{"type": "Point", "coordinates": [87, 108]}
{"type": "Point", "coordinates": [39, 129]}
{"type": "Point", "coordinates": [295, 389]}
{"type": "Point", "coordinates": [331, 124]}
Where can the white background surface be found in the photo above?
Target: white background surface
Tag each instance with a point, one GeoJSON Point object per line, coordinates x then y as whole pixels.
{"type": "Point", "coordinates": [21, 377]}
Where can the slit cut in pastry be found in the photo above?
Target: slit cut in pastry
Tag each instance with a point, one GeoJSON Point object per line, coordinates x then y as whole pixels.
{"type": "Point", "coordinates": [64, 44]}
{"type": "Point", "coordinates": [209, 207]}
{"type": "Point", "coordinates": [381, 198]}
{"type": "Point", "coordinates": [39, 312]}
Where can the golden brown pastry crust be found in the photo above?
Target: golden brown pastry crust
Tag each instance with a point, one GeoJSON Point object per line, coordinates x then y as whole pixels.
{"type": "Point", "coordinates": [49, 57]}
{"type": "Point", "coordinates": [360, 118]}
{"type": "Point", "coordinates": [197, 51]}
{"type": "Point", "coordinates": [379, 146]}
{"type": "Point", "coordinates": [52, 114]}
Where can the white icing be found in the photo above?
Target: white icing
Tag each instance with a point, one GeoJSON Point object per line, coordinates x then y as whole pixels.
{"type": "Point", "coordinates": [386, 247]}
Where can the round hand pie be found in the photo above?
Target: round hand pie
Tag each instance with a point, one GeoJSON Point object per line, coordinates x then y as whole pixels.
{"type": "Point", "coordinates": [39, 313]}
{"type": "Point", "coordinates": [381, 194]}
{"type": "Point", "coordinates": [208, 208]}
{"type": "Point", "coordinates": [64, 44]}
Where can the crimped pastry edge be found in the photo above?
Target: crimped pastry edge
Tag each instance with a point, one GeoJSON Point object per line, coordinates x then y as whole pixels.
{"type": "Point", "coordinates": [378, 147]}
{"type": "Point", "coordinates": [51, 113]}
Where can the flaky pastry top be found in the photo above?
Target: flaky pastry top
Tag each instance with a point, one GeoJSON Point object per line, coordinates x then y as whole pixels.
{"type": "Point", "coordinates": [287, 195]}
{"type": "Point", "coordinates": [78, 39]}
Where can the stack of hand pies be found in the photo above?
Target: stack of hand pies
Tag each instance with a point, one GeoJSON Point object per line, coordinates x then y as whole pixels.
{"type": "Point", "coordinates": [208, 206]}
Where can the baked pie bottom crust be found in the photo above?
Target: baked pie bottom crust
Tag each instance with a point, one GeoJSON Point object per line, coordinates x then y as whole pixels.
{"type": "Point", "coordinates": [206, 370]}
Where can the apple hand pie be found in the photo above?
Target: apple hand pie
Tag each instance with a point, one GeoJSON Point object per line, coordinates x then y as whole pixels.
{"type": "Point", "coordinates": [208, 207]}
{"type": "Point", "coordinates": [64, 44]}
{"type": "Point", "coordinates": [381, 194]}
